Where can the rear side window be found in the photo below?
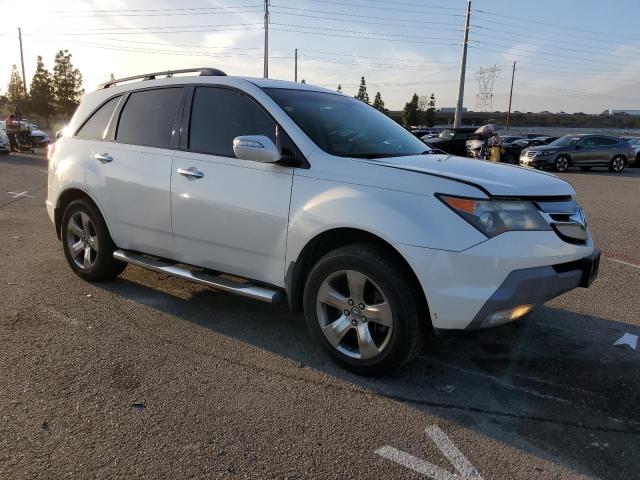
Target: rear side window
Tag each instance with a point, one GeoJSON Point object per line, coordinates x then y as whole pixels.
{"type": "Point", "coordinates": [148, 117]}
{"type": "Point", "coordinates": [95, 127]}
{"type": "Point", "coordinates": [218, 115]}
{"type": "Point", "coordinates": [605, 142]}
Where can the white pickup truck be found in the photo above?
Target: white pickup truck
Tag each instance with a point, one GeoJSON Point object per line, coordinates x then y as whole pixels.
{"type": "Point", "coordinates": [308, 195]}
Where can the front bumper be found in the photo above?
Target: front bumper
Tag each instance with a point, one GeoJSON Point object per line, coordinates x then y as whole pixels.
{"type": "Point", "coordinates": [537, 162]}
{"type": "Point", "coordinates": [531, 287]}
{"type": "Point", "coordinates": [462, 288]}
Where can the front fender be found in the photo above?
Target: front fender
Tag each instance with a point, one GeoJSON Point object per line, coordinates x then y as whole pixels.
{"type": "Point", "coordinates": [394, 216]}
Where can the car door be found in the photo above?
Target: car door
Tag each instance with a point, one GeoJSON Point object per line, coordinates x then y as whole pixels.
{"type": "Point", "coordinates": [130, 174]}
{"type": "Point", "coordinates": [229, 215]}
{"type": "Point", "coordinates": [583, 153]}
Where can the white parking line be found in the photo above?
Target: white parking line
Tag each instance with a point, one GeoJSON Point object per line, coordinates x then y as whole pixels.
{"type": "Point", "coordinates": [464, 469]}
{"type": "Point", "coordinates": [21, 194]}
{"type": "Point", "coordinates": [622, 262]}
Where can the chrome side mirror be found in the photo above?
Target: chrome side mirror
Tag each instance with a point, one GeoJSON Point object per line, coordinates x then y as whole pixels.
{"type": "Point", "coordinates": [257, 148]}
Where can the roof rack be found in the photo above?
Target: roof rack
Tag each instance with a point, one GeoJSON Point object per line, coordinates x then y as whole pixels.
{"type": "Point", "coordinates": [205, 71]}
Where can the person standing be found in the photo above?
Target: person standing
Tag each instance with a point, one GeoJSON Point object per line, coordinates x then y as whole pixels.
{"type": "Point", "coordinates": [12, 126]}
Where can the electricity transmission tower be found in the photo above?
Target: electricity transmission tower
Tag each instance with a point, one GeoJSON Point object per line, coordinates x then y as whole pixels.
{"type": "Point", "coordinates": [486, 78]}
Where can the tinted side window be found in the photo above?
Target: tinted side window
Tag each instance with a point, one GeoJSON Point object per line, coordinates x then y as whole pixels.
{"type": "Point", "coordinates": [148, 116]}
{"type": "Point", "coordinates": [218, 115]}
{"type": "Point", "coordinates": [605, 142]}
{"type": "Point", "coordinates": [588, 142]}
{"type": "Point", "coordinates": [95, 127]}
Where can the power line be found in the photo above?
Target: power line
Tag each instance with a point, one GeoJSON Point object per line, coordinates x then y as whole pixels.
{"type": "Point", "coordinates": [388, 6]}
{"type": "Point", "coordinates": [359, 16]}
{"type": "Point", "coordinates": [369, 22]}
{"type": "Point", "coordinates": [361, 37]}
{"type": "Point", "coordinates": [324, 29]}
{"type": "Point", "coordinates": [553, 25]}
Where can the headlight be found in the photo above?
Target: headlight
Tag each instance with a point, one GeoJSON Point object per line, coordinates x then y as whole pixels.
{"type": "Point", "coordinates": [493, 217]}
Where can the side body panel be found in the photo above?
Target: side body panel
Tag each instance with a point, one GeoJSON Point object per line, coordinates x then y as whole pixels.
{"type": "Point", "coordinates": [234, 218]}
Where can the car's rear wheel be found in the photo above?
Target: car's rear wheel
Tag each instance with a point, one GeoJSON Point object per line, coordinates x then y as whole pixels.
{"type": "Point", "coordinates": [364, 309]}
{"type": "Point", "coordinates": [87, 245]}
{"type": "Point", "coordinates": [617, 164]}
{"type": "Point", "coordinates": [561, 164]}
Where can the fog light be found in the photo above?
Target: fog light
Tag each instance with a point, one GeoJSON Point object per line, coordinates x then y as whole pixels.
{"type": "Point", "coordinates": [504, 316]}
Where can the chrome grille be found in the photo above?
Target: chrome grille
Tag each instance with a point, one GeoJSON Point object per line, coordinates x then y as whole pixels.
{"type": "Point", "coordinates": [566, 218]}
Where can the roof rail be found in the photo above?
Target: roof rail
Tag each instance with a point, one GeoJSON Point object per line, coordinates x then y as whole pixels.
{"type": "Point", "coordinates": [204, 71]}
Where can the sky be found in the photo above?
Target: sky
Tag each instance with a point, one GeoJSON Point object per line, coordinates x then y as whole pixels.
{"type": "Point", "coordinates": [572, 55]}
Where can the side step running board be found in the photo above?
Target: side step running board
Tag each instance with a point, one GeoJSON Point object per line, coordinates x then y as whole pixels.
{"type": "Point", "coordinates": [219, 283]}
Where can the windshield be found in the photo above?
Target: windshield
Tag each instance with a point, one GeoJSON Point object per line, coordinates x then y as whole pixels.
{"type": "Point", "coordinates": [344, 126]}
{"type": "Point", "coordinates": [565, 141]}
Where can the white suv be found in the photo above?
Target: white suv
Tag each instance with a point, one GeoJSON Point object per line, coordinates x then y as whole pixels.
{"type": "Point", "coordinates": [273, 189]}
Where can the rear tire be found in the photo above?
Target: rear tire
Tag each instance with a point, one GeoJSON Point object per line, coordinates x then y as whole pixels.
{"type": "Point", "coordinates": [617, 164]}
{"type": "Point", "coordinates": [561, 164]}
{"type": "Point", "coordinates": [364, 309]}
{"type": "Point", "coordinates": [87, 245]}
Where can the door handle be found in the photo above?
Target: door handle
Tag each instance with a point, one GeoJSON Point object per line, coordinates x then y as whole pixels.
{"type": "Point", "coordinates": [190, 172]}
{"type": "Point", "coordinates": [103, 157]}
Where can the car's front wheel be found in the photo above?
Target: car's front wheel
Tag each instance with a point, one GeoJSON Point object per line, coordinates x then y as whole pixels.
{"type": "Point", "coordinates": [87, 244]}
{"type": "Point", "coordinates": [363, 307]}
{"type": "Point", "coordinates": [561, 164]}
{"type": "Point", "coordinates": [617, 164]}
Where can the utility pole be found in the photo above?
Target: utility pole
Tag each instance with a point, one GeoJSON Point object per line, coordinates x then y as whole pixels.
{"type": "Point", "coordinates": [457, 121]}
{"type": "Point", "coordinates": [295, 75]}
{"type": "Point", "coordinates": [24, 78]}
{"type": "Point", "coordinates": [266, 39]}
{"type": "Point", "coordinates": [513, 74]}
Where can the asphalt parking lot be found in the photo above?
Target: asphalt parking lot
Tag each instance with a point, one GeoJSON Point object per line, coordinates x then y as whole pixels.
{"type": "Point", "coordinates": [153, 377]}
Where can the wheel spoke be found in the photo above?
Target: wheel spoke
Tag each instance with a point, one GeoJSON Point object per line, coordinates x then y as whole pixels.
{"type": "Point", "coordinates": [87, 257]}
{"type": "Point", "coordinates": [335, 331]}
{"type": "Point", "coordinates": [93, 243]}
{"type": "Point", "coordinates": [330, 296]}
{"type": "Point", "coordinates": [379, 313]}
{"type": "Point", "coordinates": [368, 348]}
{"type": "Point", "coordinates": [86, 221]}
{"type": "Point", "coordinates": [77, 248]}
{"type": "Point", "coordinates": [75, 229]}
{"type": "Point", "coordinates": [356, 282]}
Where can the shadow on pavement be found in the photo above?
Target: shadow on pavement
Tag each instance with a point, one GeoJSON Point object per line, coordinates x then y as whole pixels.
{"type": "Point", "coordinates": [554, 380]}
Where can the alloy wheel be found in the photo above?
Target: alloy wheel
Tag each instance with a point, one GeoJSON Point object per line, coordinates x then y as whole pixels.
{"type": "Point", "coordinates": [562, 164]}
{"type": "Point", "coordinates": [617, 164]}
{"type": "Point", "coordinates": [82, 240]}
{"type": "Point", "coordinates": [354, 314]}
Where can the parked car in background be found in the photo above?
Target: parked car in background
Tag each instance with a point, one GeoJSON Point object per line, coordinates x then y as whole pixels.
{"type": "Point", "coordinates": [454, 140]}
{"type": "Point", "coordinates": [38, 137]}
{"type": "Point", "coordinates": [635, 144]}
{"type": "Point", "coordinates": [5, 147]}
{"type": "Point", "coordinates": [546, 140]}
{"type": "Point", "coordinates": [511, 151]}
{"type": "Point", "coordinates": [584, 151]}
{"type": "Point", "coordinates": [509, 138]}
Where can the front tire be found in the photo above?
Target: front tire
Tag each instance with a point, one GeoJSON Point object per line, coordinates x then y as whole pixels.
{"type": "Point", "coordinates": [364, 309]}
{"type": "Point", "coordinates": [617, 164]}
{"type": "Point", "coordinates": [561, 164]}
{"type": "Point", "coordinates": [87, 244]}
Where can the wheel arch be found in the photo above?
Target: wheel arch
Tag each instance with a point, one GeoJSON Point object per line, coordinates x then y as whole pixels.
{"type": "Point", "coordinates": [323, 243]}
{"type": "Point", "coordinates": [64, 199]}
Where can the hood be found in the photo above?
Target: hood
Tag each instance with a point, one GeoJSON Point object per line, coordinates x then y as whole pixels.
{"type": "Point", "coordinates": [498, 179]}
{"type": "Point", "coordinates": [38, 133]}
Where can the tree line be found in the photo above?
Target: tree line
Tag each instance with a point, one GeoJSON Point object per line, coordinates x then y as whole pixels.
{"type": "Point", "coordinates": [49, 93]}
{"type": "Point", "coordinates": [420, 110]}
